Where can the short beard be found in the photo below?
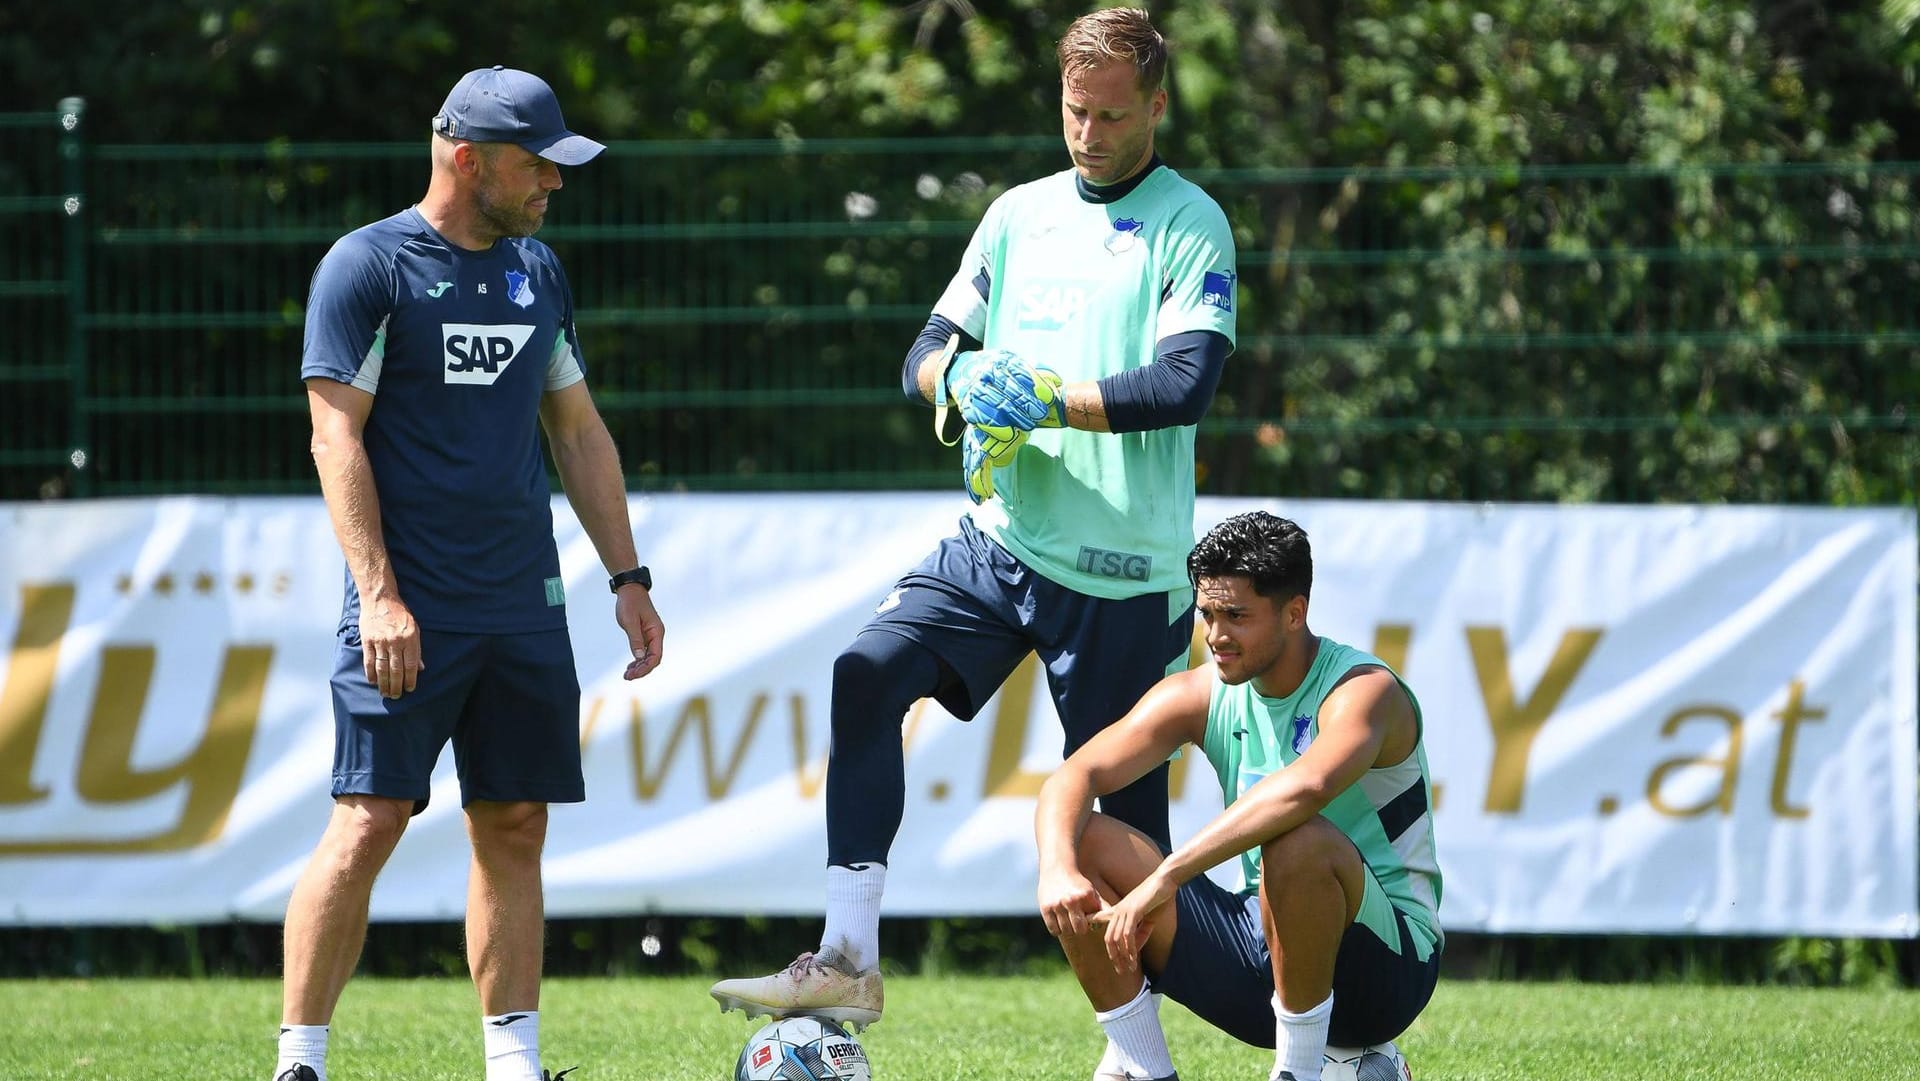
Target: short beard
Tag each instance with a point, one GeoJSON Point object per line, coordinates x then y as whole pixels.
{"type": "Point", "coordinates": [504, 220]}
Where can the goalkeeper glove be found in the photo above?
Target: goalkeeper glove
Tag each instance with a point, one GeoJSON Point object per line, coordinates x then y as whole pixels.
{"type": "Point", "coordinates": [1016, 394]}
{"type": "Point", "coordinates": [981, 451]}
{"type": "Point", "coordinates": [1001, 389]}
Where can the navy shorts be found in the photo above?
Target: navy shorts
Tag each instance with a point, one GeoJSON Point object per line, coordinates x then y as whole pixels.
{"type": "Point", "coordinates": [981, 611]}
{"type": "Point", "coordinates": [509, 702]}
{"type": "Point", "coordinates": [1221, 969]}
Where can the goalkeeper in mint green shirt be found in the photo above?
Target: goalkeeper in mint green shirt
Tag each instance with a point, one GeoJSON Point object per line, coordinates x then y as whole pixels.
{"type": "Point", "coordinates": [1080, 343]}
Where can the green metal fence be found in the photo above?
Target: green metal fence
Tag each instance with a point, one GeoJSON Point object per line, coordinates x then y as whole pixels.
{"type": "Point", "coordinates": [43, 303]}
{"type": "Point", "coordinates": [1630, 332]}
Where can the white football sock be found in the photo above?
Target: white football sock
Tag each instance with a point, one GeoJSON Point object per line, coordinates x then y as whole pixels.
{"type": "Point", "coordinates": [304, 1044]}
{"type": "Point", "coordinates": [1134, 1030]}
{"type": "Point", "coordinates": [853, 913]}
{"type": "Point", "coordinates": [513, 1045]}
{"type": "Point", "coordinates": [1300, 1040]}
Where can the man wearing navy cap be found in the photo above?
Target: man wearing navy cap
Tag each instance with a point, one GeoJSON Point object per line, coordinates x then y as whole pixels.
{"type": "Point", "coordinates": [439, 342]}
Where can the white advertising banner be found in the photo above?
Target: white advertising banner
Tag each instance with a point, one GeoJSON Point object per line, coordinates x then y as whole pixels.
{"type": "Point", "coordinates": [1639, 719]}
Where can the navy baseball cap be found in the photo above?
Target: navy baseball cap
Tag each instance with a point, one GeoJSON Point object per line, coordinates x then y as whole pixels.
{"type": "Point", "coordinates": [501, 105]}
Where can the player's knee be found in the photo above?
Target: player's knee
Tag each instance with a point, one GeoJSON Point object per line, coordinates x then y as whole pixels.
{"type": "Point", "coordinates": [367, 827]}
{"type": "Point", "coordinates": [1116, 854]}
{"type": "Point", "coordinates": [1315, 847]}
{"type": "Point", "coordinates": [877, 677]}
{"type": "Point", "coordinates": [509, 829]}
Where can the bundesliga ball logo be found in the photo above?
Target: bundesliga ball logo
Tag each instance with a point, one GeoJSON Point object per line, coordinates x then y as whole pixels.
{"type": "Point", "coordinates": [802, 1049]}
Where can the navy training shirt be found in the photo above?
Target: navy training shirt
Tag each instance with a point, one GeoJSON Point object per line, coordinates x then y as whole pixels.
{"type": "Point", "coordinates": [457, 348]}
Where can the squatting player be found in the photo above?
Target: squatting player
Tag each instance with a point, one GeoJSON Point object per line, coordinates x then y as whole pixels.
{"type": "Point", "coordinates": [1118, 275]}
{"type": "Point", "coordinates": [439, 342]}
{"type": "Point", "coordinates": [1335, 937]}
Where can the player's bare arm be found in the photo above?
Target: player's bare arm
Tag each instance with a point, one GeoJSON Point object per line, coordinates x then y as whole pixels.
{"type": "Point", "coordinates": [1366, 721]}
{"type": "Point", "coordinates": [1173, 713]}
{"type": "Point", "coordinates": [1086, 408]}
{"type": "Point", "coordinates": [389, 637]}
{"type": "Point", "coordinates": [1355, 722]}
{"type": "Point", "coordinates": [589, 468]}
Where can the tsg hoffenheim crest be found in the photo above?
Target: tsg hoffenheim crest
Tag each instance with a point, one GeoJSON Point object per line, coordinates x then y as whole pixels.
{"type": "Point", "coordinates": [519, 289]}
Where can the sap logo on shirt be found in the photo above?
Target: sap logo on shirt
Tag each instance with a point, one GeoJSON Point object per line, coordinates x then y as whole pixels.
{"type": "Point", "coordinates": [1216, 289]}
{"type": "Point", "coordinates": [478, 352]}
{"type": "Point", "coordinates": [1051, 305]}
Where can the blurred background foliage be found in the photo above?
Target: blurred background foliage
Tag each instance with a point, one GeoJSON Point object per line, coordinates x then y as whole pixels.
{"type": "Point", "coordinates": [1310, 82]}
{"type": "Point", "coordinates": [1650, 250]}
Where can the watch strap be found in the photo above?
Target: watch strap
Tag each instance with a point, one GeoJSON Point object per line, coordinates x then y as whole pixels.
{"type": "Point", "coordinates": [639, 576]}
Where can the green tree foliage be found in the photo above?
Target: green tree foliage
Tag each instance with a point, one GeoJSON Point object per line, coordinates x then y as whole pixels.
{"type": "Point", "coordinates": [1450, 287]}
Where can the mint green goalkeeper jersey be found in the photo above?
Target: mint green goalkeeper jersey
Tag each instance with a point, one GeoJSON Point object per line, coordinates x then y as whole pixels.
{"type": "Point", "coordinates": [1089, 289]}
{"type": "Point", "coordinates": [1388, 812]}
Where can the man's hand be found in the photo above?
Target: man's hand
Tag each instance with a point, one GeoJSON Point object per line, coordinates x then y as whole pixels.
{"type": "Point", "coordinates": [1067, 900]}
{"type": "Point", "coordinates": [996, 388]}
{"type": "Point", "coordinates": [1130, 922]}
{"type": "Point", "coordinates": [390, 646]}
{"type": "Point", "coordinates": [646, 635]}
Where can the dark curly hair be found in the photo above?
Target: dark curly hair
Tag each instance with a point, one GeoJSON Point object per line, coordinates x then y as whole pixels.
{"type": "Point", "coordinates": [1268, 549]}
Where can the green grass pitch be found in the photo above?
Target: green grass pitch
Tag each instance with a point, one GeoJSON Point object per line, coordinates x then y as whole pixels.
{"type": "Point", "coordinates": [947, 1029]}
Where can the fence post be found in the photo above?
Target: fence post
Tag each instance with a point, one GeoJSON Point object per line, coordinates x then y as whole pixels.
{"type": "Point", "coordinates": [73, 203]}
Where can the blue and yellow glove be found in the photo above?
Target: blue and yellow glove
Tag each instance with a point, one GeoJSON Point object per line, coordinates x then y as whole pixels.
{"type": "Point", "coordinates": [981, 451]}
{"type": "Point", "coordinates": [996, 388]}
{"type": "Point", "coordinates": [966, 369]}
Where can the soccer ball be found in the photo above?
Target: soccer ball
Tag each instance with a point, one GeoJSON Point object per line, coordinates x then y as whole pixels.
{"type": "Point", "coordinates": [802, 1049]}
{"type": "Point", "coordinates": [1381, 1062]}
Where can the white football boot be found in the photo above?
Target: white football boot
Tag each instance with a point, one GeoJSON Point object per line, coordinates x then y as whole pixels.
{"type": "Point", "coordinates": [1377, 1062]}
{"type": "Point", "coordinates": [816, 984]}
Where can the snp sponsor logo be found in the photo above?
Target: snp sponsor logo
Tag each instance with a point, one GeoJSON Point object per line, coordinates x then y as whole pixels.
{"type": "Point", "coordinates": [1216, 289]}
{"type": "Point", "coordinates": [479, 352]}
{"type": "Point", "coordinates": [1051, 305]}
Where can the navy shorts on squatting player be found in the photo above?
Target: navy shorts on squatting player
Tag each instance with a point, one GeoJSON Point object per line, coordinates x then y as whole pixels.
{"type": "Point", "coordinates": [509, 702]}
{"type": "Point", "coordinates": [1220, 969]}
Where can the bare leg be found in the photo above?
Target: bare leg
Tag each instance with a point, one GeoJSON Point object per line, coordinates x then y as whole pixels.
{"type": "Point", "coordinates": [327, 914]}
{"type": "Point", "coordinates": [1115, 857]}
{"type": "Point", "coordinates": [1311, 883]}
{"type": "Point", "coordinates": [505, 909]}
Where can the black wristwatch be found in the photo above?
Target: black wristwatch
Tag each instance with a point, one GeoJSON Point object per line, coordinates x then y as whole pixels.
{"type": "Point", "coordinates": [640, 575]}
